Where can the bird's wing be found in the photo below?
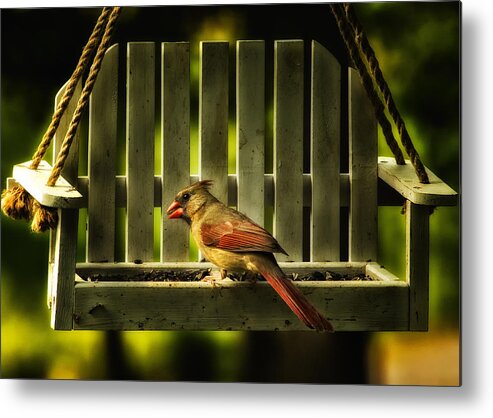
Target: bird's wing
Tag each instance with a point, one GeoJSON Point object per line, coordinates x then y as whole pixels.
{"type": "Point", "coordinates": [239, 236]}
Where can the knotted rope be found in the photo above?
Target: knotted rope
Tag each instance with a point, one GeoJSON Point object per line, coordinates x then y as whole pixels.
{"type": "Point", "coordinates": [87, 52]}
{"type": "Point", "coordinates": [17, 202]}
{"type": "Point", "coordinates": [84, 98]}
{"type": "Point", "coordinates": [359, 48]}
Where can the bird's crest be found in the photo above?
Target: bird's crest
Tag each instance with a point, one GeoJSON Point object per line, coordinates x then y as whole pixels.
{"type": "Point", "coordinates": [202, 184]}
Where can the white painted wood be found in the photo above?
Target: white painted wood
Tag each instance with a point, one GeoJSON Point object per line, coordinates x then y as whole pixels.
{"type": "Point", "coordinates": [62, 296]}
{"type": "Point", "coordinates": [52, 233]}
{"type": "Point", "coordinates": [175, 140]}
{"type": "Point", "coordinates": [378, 272]}
{"type": "Point", "coordinates": [417, 264]}
{"type": "Point", "coordinates": [288, 147]}
{"type": "Point", "coordinates": [363, 154]}
{"type": "Point", "coordinates": [140, 151]}
{"type": "Point", "coordinates": [71, 166]}
{"type": "Point", "coordinates": [121, 190]}
{"type": "Point", "coordinates": [387, 195]}
{"type": "Point", "coordinates": [325, 135]}
{"type": "Point", "coordinates": [62, 195]}
{"type": "Point", "coordinates": [350, 306]}
{"type": "Point", "coordinates": [404, 180]}
{"type": "Point", "coordinates": [103, 106]}
{"type": "Point", "coordinates": [250, 128]}
{"type": "Point", "coordinates": [63, 245]}
{"type": "Point", "coordinates": [213, 116]}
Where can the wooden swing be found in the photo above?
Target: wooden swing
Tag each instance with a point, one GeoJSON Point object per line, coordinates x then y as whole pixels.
{"type": "Point", "coordinates": [385, 302]}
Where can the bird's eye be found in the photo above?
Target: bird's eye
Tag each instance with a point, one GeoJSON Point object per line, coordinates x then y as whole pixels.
{"type": "Point", "coordinates": [186, 196]}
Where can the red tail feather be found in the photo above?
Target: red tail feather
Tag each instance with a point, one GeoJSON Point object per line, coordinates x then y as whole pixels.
{"type": "Point", "coordinates": [296, 300]}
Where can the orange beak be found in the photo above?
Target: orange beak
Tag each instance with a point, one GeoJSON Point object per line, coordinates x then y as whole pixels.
{"type": "Point", "coordinates": [175, 210]}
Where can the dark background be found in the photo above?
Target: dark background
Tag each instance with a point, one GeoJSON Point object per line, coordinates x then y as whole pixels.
{"type": "Point", "coordinates": [418, 48]}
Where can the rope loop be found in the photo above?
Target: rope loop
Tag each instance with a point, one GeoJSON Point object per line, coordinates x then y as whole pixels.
{"type": "Point", "coordinates": [84, 98]}
{"type": "Point", "coordinates": [17, 203]}
{"type": "Point", "coordinates": [363, 57]}
{"type": "Point", "coordinates": [81, 67]}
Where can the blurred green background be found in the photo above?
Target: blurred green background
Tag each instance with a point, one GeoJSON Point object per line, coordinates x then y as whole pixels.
{"type": "Point", "coordinates": [418, 46]}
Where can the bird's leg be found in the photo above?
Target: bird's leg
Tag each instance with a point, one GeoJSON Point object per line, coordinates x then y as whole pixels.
{"type": "Point", "coordinates": [213, 279]}
{"type": "Point", "coordinates": [250, 276]}
{"type": "Point", "coordinates": [210, 279]}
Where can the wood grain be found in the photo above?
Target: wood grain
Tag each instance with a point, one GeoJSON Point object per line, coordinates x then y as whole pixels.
{"type": "Point", "coordinates": [175, 139]}
{"type": "Point", "coordinates": [140, 151]}
{"type": "Point", "coordinates": [403, 179]}
{"type": "Point", "coordinates": [325, 135]}
{"type": "Point", "coordinates": [288, 147]}
{"type": "Point", "coordinates": [417, 264]}
{"type": "Point", "coordinates": [351, 306]}
{"type": "Point", "coordinates": [214, 116]}
{"type": "Point", "coordinates": [363, 154]}
{"type": "Point", "coordinates": [386, 195]}
{"type": "Point", "coordinates": [250, 128]}
{"type": "Point", "coordinates": [63, 195]}
{"type": "Point", "coordinates": [103, 107]}
{"type": "Point", "coordinates": [64, 248]}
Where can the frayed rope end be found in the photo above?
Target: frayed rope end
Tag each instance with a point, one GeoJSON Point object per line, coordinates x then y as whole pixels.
{"type": "Point", "coordinates": [44, 218]}
{"type": "Point", "coordinates": [17, 203]}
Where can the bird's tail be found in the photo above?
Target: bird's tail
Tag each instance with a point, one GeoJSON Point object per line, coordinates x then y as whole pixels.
{"type": "Point", "coordinates": [294, 298]}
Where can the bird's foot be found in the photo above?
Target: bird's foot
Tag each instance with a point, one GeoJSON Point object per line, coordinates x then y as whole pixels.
{"type": "Point", "coordinates": [223, 274]}
{"type": "Point", "coordinates": [250, 277]}
{"type": "Point", "coordinates": [210, 279]}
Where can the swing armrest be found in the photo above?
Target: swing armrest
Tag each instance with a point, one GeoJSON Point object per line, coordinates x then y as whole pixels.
{"type": "Point", "coordinates": [403, 179]}
{"type": "Point", "coordinates": [61, 195]}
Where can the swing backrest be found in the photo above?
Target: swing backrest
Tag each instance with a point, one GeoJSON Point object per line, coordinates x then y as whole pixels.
{"type": "Point", "coordinates": [321, 199]}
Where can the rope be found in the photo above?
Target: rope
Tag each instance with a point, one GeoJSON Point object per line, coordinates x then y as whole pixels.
{"type": "Point", "coordinates": [17, 203]}
{"type": "Point", "coordinates": [87, 52]}
{"type": "Point", "coordinates": [364, 45]}
{"type": "Point", "coordinates": [367, 81]}
{"type": "Point", "coordinates": [83, 99]}
{"type": "Point", "coordinates": [47, 218]}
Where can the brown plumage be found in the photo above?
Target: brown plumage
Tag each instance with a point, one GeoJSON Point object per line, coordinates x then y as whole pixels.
{"type": "Point", "coordinates": [233, 242]}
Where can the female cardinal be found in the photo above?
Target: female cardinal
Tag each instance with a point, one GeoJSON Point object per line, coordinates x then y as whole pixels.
{"type": "Point", "coordinates": [232, 241]}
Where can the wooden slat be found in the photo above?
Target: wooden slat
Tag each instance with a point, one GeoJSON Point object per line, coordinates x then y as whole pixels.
{"type": "Point", "coordinates": [102, 161]}
{"type": "Point", "coordinates": [387, 196]}
{"type": "Point", "coordinates": [288, 147]}
{"type": "Point", "coordinates": [378, 272]}
{"type": "Point", "coordinates": [63, 245]}
{"type": "Point", "coordinates": [140, 151]}
{"type": "Point", "coordinates": [62, 195]}
{"type": "Point", "coordinates": [403, 179]}
{"type": "Point", "coordinates": [351, 306]}
{"type": "Point", "coordinates": [325, 154]}
{"type": "Point", "coordinates": [250, 128]}
{"type": "Point", "coordinates": [64, 269]}
{"type": "Point", "coordinates": [363, 154]}
{"type": "Point", "coordinates": [417, 264]}
{"type": "Point", "coordinates": [213, 116]}
{"type": "Point", "coordinates": [175, 123]}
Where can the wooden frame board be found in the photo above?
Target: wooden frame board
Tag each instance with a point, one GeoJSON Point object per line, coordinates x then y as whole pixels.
{"type": "Point", "coordinates": [353, 305]}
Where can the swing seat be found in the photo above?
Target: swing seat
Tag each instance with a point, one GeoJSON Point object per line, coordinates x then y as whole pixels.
{"type": "Point", "coordinates": [323, 209]}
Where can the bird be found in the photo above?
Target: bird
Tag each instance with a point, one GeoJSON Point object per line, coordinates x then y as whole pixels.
{"type": "Point", "coordinates": [233, 242]}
